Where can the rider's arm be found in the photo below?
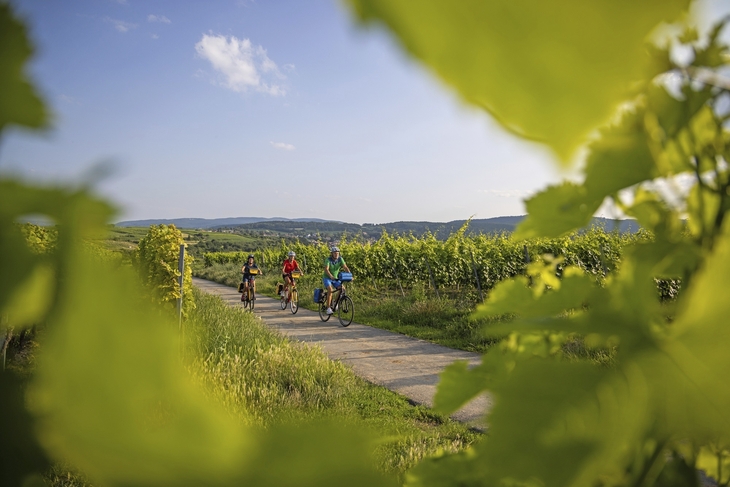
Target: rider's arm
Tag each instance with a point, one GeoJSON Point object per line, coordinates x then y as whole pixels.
{"type": "Point", "coordinates": [327, 270]}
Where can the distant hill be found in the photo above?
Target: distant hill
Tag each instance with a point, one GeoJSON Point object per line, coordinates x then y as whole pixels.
{"type": "Point", "coordinates": [205, 223]}
{"type": "Point", "coordinates": [330, 229]}
{"type": "Point", "coordinates": [308, 227]}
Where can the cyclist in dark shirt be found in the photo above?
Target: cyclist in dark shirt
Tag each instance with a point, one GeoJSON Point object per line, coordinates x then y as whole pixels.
{"type": "Point", "coordinates": [248, 277]}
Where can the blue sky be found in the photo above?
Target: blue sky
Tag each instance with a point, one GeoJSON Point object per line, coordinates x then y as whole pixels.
{"type": "Point", "coordinates": [259, 108]}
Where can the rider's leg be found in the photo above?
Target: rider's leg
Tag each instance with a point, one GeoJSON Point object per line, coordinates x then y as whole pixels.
{"type": "Point", "coordinates": [330, 290]}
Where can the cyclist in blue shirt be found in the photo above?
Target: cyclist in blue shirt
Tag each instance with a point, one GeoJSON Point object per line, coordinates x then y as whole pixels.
{"type": "Point", "coordinates": [332, 266]}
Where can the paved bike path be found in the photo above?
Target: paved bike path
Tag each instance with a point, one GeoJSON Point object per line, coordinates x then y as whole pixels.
{"type": "Point", "coordinates": [406, 365]}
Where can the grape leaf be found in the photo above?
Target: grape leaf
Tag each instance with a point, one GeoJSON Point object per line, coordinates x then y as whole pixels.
{"type": "Point", "coordinates": [19, 102]}
{"type": "Point", "coordinates": [548, 72]}
{"type": "Point", "coordinates": [20, 453]}
{"type": "Point", "coordinates": [557, 211]}
{"type": "Point", "coordinates": [619, 158]}
{"type": "Point", "coordinates": [458, 384]}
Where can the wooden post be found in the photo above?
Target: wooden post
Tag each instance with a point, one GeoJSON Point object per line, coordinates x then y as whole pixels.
{"type": "Point", "coordinates": [397, 279]}
{"type": "Point", "coordinates": [6, 342]}
{"type": "Point", "coordinates": [180, 279]}
{"type": "Point", "coordinates": [430, 275]}
{"type": "Point", "coordinates": [476, 276]}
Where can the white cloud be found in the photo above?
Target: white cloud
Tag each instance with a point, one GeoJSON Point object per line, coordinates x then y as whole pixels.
{"type": "Point", "coordinates": [155, 36]}
{"type": "Point", "coordinates": [282, 145]}
{"type": "Point", "coordinates": [158, 18]}
{"type": "Point", "coordinates": [243, 65]}
{"type": "Point", "coordinates": [121, 25]}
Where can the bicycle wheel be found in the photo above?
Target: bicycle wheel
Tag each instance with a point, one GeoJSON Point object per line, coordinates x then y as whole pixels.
{"type": "Point", "coordinates": [251, 298]}
{"type": "Point", "coordinates": [244, 298]}
{"type": "Point", "coordinates": [294, 301]}
{"type": "Point", "coordinates": [282, 302]}
{"type": "Point", "coordinates": [345, 311]}
{"type": "Point", "coordinates": [323, 311]}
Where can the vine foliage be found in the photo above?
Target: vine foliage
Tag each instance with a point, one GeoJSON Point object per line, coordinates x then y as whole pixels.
{"type": "Point", "coordinates": [660, 413]}
{"type": "Point", "coordinates": [158, 255]}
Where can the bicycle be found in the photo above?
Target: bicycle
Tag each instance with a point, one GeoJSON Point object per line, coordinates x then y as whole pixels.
{"type": "Point", "coordinates": [341, 304]}
{"type": "Point", "coordinates": [249, 296]}
{"type": "Point", "coordinates": [292, 296]}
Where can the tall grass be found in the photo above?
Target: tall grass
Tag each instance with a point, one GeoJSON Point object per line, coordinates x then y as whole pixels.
{"type": "Point", "coordinates": [264, 378]}
{"type": "Point", "coordinates": [259, 372]}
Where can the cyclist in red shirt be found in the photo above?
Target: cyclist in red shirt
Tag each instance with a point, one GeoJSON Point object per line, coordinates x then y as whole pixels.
{"type": "Point", "coordinates": [290, 265]}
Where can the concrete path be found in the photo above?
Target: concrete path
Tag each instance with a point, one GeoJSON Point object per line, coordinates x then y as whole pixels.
{"type": "Point", "coordinates": [403, 364]}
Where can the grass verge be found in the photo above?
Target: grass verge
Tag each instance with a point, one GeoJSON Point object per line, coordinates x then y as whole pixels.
{"type": "Point", "coordinates": [265, 378]}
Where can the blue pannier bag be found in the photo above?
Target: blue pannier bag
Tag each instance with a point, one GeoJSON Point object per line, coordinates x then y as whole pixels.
{"type": "Point", "coordinates": [318, 295]}
{"type": "Point", "coordinates": [345, 276]}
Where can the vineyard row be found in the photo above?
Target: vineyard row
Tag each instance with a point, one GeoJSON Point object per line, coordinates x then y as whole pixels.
{"type": "Point", "coordinates": [461, 260]}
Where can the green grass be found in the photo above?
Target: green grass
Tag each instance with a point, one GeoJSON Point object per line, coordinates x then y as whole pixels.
{"type": "Point", "coordinates": [420, 314]}
{"type": "Point", "coordinates": [125, 239]}
{"type": "Point", "coordinates": [264, 378]}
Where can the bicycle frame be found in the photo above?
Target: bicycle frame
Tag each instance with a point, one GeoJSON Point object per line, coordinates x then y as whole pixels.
{"type": "Point", "coordinates": [338, 294]}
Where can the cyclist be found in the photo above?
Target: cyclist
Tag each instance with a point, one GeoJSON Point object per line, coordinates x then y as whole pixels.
{"type": "Point", "coordinates": [248, 278]}
{"type": "Point", "coordinates": [290, 265]}
{"type": "Point", "coordinates": [332, 266]}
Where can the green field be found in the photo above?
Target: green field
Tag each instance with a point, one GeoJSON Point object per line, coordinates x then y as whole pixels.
{"type": "Point", "coordinates": [126, 239]}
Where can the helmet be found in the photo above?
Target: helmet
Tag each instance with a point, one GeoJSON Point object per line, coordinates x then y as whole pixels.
{"type": "Point", "coordinates": [291, 253]}
{"type": "Point", "coordinates": [334, 249]}
{"type": "Point", "coordinates": [250, 256]}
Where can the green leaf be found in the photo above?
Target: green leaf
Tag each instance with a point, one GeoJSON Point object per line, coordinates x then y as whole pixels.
{"type": "Point", "coordinates": [697, 389]}
{"type": "Point", "coordinates": [548, 72]}
{"type": "Point", "coordinates": [538, 412]}
{"type": "Point", "coordinates": [32, 298]}
{"type": "Point", "coordinates": [702, 207]}
{"type": "Point", "coordinates": [20, 453]}
{"type": "Point", "coordinates": [556, 211]}
{"type": "Point", "coordinates": [458, 384]}
{"type": "Point", "coordinates": [715, 461]}
{"type": "Point", "coordinates": [674, 115]}
{"type": "Point", "coordinates": [619, 158]}
{"type": "Point", "coordinates": [19, 102]}
{"type": "Point", "coordinates": [713, 55]}
{"type": "Point", "coordinates": [514, 297]}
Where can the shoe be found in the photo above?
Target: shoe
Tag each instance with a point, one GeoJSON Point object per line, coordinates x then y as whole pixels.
{"type": "Point", "coordinates": [329, 311]}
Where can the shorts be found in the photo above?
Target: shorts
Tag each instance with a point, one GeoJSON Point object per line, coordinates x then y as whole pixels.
{"type": "Point", "coordinates": [331, 282]}
{"type": "Point", "coordinates": [248, 279]}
